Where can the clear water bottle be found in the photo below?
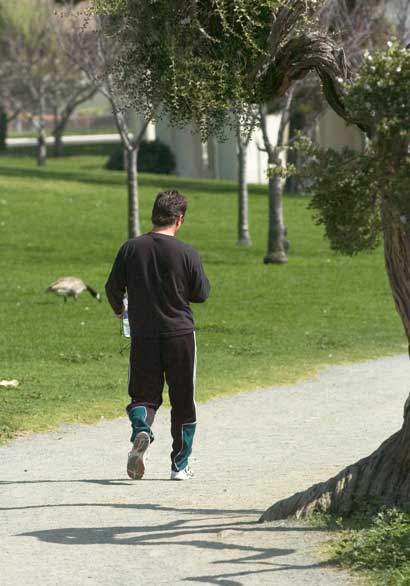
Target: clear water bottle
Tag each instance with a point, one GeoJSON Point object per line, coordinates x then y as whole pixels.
{"type": "Point", "coordinates": [125, 321]}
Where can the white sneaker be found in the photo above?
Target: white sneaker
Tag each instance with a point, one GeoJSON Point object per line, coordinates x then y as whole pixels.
{"type": "Point", "coordinates": [137, 456]}
{"type": "Point", "coordinates": [185, 474]}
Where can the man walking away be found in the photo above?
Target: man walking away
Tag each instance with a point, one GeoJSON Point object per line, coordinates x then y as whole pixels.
{"type": "Point", "coordinates": [161, 276]}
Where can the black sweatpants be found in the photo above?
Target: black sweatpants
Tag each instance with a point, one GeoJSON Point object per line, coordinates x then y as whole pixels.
{"type": "Point", "coordinates": [152, 362]}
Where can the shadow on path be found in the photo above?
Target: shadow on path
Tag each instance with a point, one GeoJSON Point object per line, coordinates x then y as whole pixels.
{"type": "Point", "coordinates": [219, 537]}
{"type": "Point", "coordinates": [226, 579]}
{"type": "Point", "coordinates": [229, 513]}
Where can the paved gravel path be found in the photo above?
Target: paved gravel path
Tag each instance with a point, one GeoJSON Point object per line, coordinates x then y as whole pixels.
{"type": "Point", "coordinates": [69, 515]}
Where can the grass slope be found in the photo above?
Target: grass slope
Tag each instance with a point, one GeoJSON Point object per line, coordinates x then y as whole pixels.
{"type": "Point", "coordinates": [263, 325]}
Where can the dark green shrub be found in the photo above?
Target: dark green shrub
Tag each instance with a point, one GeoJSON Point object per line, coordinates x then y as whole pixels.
{"type": "Point", "coordinates": [153, 157]}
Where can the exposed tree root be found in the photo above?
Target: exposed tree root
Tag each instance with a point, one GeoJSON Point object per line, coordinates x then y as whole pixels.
{"type": "Point", "coordinates": [384, 477]}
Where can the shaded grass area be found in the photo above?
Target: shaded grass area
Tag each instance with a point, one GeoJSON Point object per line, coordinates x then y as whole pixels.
{"type": "Point", "coordinates": [68, 132]}
{"type": "Point", "coordinates": [263, 325]}
{"type": "Point", "coordinates": [70, 150]}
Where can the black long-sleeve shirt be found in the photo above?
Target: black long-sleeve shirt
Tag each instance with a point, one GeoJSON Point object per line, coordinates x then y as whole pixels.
{"type": "Point", "coordinates": [162, 276]}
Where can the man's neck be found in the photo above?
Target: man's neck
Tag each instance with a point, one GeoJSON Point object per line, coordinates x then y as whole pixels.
{"type": "Point", "coordinates": [167, 230]}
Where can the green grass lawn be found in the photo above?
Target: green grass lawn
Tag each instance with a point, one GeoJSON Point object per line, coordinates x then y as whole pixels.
{"type": "Point", "coordinates": [263, 325]}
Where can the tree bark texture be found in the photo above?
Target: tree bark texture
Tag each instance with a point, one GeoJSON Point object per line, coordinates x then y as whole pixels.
{"type": "Point", "coordinates": [276, 252]}
{"type": "Point", "coordinates": [132, 187]}
{"type": "Point", "coordinates": [277, 244]}
{"type": "Point", "coordinates": [384, 476]}
{"type": "Point", "coordinates": [244, 237]}
{"type": "Point", "coordinates": [397, 259]}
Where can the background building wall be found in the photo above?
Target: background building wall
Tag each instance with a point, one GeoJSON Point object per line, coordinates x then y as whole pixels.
{"type": "Point", "coordinates": [213, 159]}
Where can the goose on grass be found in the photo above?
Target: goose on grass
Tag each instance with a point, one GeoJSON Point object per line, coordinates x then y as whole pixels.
{"type": "Point", "coordinates": [71, 287]}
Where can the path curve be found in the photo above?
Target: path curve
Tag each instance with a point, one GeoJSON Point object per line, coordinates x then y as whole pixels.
{"type": "Point", "coordinates": [69, 516]}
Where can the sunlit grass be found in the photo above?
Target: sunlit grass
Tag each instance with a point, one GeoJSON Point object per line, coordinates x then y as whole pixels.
{"type": "Point", "coordinates": [263, 325]}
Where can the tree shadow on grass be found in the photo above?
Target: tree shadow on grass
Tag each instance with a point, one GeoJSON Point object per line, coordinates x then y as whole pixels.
{"type": "Point", "coordinates": [53, 175]}
{"type": "Point", "coordinates": [118, 179]}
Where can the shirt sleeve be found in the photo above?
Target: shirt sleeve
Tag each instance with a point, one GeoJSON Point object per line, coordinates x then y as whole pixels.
{"type": "Point", "coordinates": [116, 284]}
{"type": "Point", "coordinates": [199, 284]}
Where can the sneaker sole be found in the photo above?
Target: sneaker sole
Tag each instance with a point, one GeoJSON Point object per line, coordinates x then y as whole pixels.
{"type": "Point", "coordinates": [181, 478]}
{"type": "Point", "coordinates": [136, 458]}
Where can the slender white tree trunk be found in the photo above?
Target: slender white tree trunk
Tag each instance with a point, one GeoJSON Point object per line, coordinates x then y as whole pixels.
{"type": "Point", "coordinates": [277, 243]}
{"type": "Point", "coordinates": [41, 148]}
{"type": "Point", "coordinates": [41, 137]}
{"type": "Point", "coordinates": [132, 187]}
{"type": "Point", "coordinates": [244, 237]}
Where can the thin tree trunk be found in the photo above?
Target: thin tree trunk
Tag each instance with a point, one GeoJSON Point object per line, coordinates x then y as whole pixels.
{"type": "Point", "coordinates": [244, 237]}
{"type": "Point", "coordinates": [3, 129]}
{"type": "Point", "coordinates": [277, 244]}
{"type": "Point", "coordinates": [41, 138]}
{"type": "Point", "coordinates": [276, 252]}
{"type": "Point", "coordinates": [58, 143]}
{"type": "Point", "coordinates": [132, 186]}
{"type": "Point", "coordinates": [384, 476]}
{"type": "Point", "coordinates": [41, 148]}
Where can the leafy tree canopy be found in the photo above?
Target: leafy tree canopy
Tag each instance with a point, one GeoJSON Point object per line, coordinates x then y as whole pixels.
{"type": "Point", "coordinates": [205, 60]}
{"type": "Point", "coordinates": [355, 195]}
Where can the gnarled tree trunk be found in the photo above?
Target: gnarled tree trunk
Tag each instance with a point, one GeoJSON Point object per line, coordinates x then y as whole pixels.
{"type": "Point", "coordinates": [384, 475]}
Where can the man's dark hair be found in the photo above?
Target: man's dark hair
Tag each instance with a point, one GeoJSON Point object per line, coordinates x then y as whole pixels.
{"type": "Point", "coordinates": [168, 206]}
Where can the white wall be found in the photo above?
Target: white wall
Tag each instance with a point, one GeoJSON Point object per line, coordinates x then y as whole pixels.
{"type": "Point", "coordinates": [186, 147]}
{"type": "Point", "coordinates": [333, 132]}
{"type": "Point", "coordinates": [217, 160]}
